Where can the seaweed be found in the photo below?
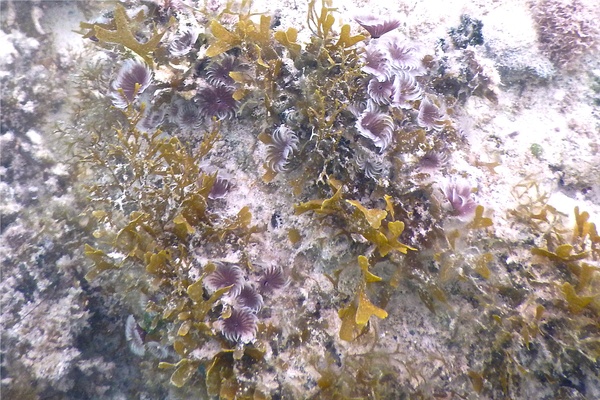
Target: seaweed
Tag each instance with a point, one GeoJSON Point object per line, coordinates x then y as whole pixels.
{"type": "Point", "coordinates": [369, 223]}
{"type": "Point", "coordinates": [185, 369]}
{"type": "Point", "coordinates": [563, 253]}
{"type": "Point", "coordinates": [288, 39]}
{"type": "Point", "coordinates": [225, 40]}
{"type": "Point", "coordinates": [575, 302]}
{"type": "Point", "coordinates": [479, 221]}
{"type": "Point", "coordinates": [372, 224]}
{"type": "Point", "coordinates": [586, 231]}
{"type": "Point", "coordinates": [356, 316]}
{"type": "Point", "coordinates": [151, 207]}
{"type": "Point", "coordinates": [123, 32]}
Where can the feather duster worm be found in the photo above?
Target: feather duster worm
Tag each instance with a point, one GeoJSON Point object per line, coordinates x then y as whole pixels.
{"type": "Point", "coordinates": [406, 90]}
{"type": "Point", "coordinates": [381, 92]}
{"type": "Point", "coordinates": [375, 62]}
{"type": "Point", "coordinates": [401, 55]}
{"type": "Point", "coordinates": [135, 336]}
{"type": "Point", "coordinates": [430, 116]}
{"type": "Point", "coordinates": [460, 198]}
{"type": "Point", "coordinates": [184, 41]}
{"type": "Point", "coordinates": [186, 115]}
{"type": "Point", "coordinates": [225, 275]}
{"type": "Point", "coordinates": [132, 79]}
{"type": "Point", "coordinates": [241, 325]}
{"type": "Point", "coordinates": [219, 189]}
{"type": "Point", "coordinates": [217, 101]}
{"type": "Point", "coordinates": [376, 26]}
{"type": "Point", "coordinates": [371, 167]}
{"type": "Point", "coordinates": [217, 72]}
{"type": "Point", "coordinates": [284, 143]}
{"type": "Point", "coordinates": [376, 126]}
{"type": "Point", "coordinates": [272, 279]}
{"type": "Point", "coordinates": [249, 298]}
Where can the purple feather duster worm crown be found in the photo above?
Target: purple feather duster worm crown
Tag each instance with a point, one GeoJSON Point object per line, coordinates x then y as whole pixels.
{"type": "Point", "coordinates": [284, 143]}
{"type": "Point", "coordinates": [430, 116]}
{"type": "Point", "coordinates": [225, 275]}
{"type": "Point", "coordinates": [377, 26]}
{"type": "Point", "coordinates": [460, 198]}
{"type": "Point", "coordinates": [272, 279]}
{"type": "Point", "coordinates": [217, 101]}
{"type": "Point", "coordinates": [241, 325]}
{"type": "Point", "coordinates": [132, 79]}
{"type": "Point", "coordinates": [377, 126]}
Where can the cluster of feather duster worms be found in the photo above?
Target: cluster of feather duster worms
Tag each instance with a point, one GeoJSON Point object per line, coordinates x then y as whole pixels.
{"type": "Point", "coordinates": [244, 300]}
{"type": "Point", "coordinates": [393, 66]}
{"type": "Point", "coordinates": [241, 306]}
{"type": "Point", "coordinates": [213, 97]}
{"type": "Point", "coordinates": [396, 93]}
